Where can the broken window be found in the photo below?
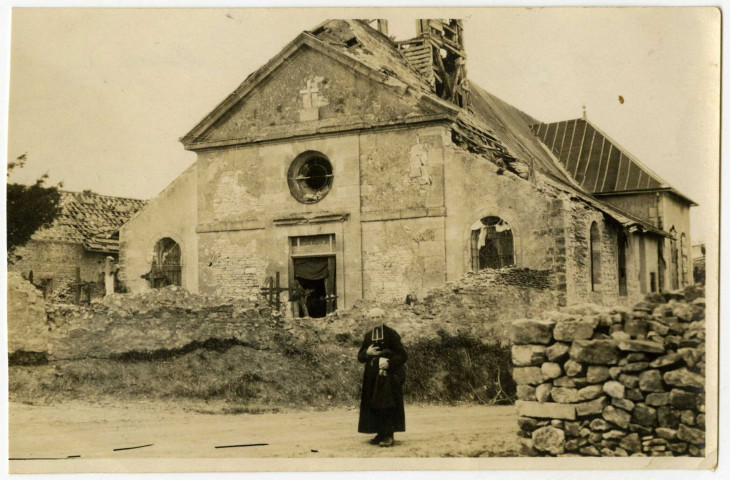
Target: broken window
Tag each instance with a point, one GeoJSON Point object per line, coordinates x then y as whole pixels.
{"type": "Point", "coordinates": [595, 257]}
{"type": "Point", "coordinates": [492, 244]}
{"type": "Point", "coordinates": [166, 264]}
{"type": "Point", "coordinates": [310, 177]}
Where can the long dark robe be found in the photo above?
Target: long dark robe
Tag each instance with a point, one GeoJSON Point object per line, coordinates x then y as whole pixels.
{"type": "Point", "coordinates": [379, 391]}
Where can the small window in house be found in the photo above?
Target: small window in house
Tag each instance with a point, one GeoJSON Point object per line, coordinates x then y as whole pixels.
{"type": "Point", "coordinates": [595, 257]}
{"type": "Point", "coordinates": [166, 264]}
{"type": "Point", "coordinates": [492, 244]}
{"type": "Point", "coordinates": [310, 177]}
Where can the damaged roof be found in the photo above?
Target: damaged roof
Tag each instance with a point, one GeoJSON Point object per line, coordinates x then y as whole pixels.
{"type": "Point", "coordinates": [90, 219]}
{"type": "Point", "coordinates": [596, 161]}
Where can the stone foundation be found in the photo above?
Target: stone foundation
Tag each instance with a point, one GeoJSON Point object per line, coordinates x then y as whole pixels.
{"type": "Point", "coordinates": [597, 381]}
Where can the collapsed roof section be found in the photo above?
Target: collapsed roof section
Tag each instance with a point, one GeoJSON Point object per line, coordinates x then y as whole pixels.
{"type": "Point", "coordinates": [91, 220]}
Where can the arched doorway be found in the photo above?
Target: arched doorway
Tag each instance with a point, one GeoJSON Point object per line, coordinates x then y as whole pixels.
{"type": "Point", "coordinates": [166, 264]}
{"type": "Point", "coordinates": [492, 243]}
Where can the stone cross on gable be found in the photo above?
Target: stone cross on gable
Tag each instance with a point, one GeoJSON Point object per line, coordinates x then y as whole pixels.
{"type": "Point", "coordinates": [312, 99]}
{"type": "Point", "coordinates": [309, 94]}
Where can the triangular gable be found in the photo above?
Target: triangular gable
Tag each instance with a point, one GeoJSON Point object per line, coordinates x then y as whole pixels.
{"type": "Point", "coordinates": [343, 93]}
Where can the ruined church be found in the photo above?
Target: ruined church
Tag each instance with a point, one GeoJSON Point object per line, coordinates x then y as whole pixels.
{"type": "Point", "coordinates": [356, 166]}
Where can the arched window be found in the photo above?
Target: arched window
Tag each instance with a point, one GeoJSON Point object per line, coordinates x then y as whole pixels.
{"type": "Point", "coordinates": [595, 257]}
{"type": "Point", "coordinates": [622, 245]}
{"type": "Point", "coordinates": [492, 244]}
{"type": "Point", "coordinates": [166, 264]}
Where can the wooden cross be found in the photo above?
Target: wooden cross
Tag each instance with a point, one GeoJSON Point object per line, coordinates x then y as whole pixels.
{"type": "Point", "coordinates": [309, 94]}
{"type": "Point", "coordinates": [272, 292]}
{"type": "Point", "coordinates": [78, 285]}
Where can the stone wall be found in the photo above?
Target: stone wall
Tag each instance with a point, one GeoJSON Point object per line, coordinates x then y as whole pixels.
{"type": "Point", "coordinates": [27, 328]}
{"type": "Point", "coordinates": [480, 305]}
{"type": "Point", "coordinates": [596, 381]}
{"type": "Point", "coordinates": [164, 319]}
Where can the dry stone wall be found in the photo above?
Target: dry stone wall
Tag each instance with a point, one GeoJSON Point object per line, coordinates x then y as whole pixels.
{"type": "Point", "coordinates": [597, 381]}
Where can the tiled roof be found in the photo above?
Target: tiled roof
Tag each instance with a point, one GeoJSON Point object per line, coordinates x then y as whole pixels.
{"type": "Point", "coordinates": [596, 161]}
{"type": "Point", "coordinates": [91, 219]}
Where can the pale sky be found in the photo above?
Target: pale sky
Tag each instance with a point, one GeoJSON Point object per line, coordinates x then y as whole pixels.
{"type": "Point", "coordinates": [99, 97]}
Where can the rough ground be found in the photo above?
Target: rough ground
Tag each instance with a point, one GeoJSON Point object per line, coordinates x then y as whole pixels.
{"type": "Point", "coordinates": [95, 430]}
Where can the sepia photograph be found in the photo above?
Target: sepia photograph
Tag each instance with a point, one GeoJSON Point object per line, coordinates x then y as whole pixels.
{"type": "Point", "coordinates": [352, 239]}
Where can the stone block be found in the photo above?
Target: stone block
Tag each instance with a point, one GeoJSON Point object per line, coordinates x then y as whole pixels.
{"type": "Point", "coordinates": [590, 451]}
{"type": "Point", "coordinates": [599, 425]}
{"type": "Point", "coordinates": [528, 355]}
{"type": "Point", "coordinates": [527, 424]}
{"type": "Point", "coordinates": [636, 328]}
{"type": "Point", "coordinates": [594, 407]}
{"type": "Point", "coordinates": [635, 367]}
{"type": "Point", "coordinates": [651, 381]}
{"type": "Point", "coordinates": [527, 375]}
{"type": "Point", "coordinates": [594, 352]}
{"type": "Point", "coordinates": [557, 351]}
{"type": "Point", "coordinates": [564, 382]}
{"type": "Point", "coordinates": [684, 378]}
{"type": "Point", "coordinates": [623, 404]}
{"type": "Point", "coordinates": [597, 374]}
{"type": "Point", "coordinates": [666, 360]}
{"type": "Point", "coordinates": [545, 410]}
{"type": "Point", "coordinates": [542, 392]}
{"type": "Point", "coordinates": [526, 331]}
{"type": "Point", "coordinates": [667, 417]}
{"type": "Point", "coordinates": [682, 400]}
{"type": "Point", "coordinates": [640, 346]}
{"type": "Point", "coordinates": [590, 392]}
{"type": "Point", "coordinates": [549, 439]}
{"type": "Point", "coordinates": [691, 435]}
{"type": "Point", "coordinates": [565, 395]}
{"type": "Point", "coordinates": [644, 415]}
{"type": "Point", "coordinates": [573, 368]}
{"type": "Point", "coordinates": [687, 417]}
{"type": "Point", "coordinates": [551, 370]}
{"type": "Point", "coordinates": [526, 392]}
{"type": "Point", "coordinates": [572, 429]}
{"type": "Point", "coordinates": [634, 394]}
{"type": "Point", "coordinates": [666, 433]}
{"type": "Point", "coordinates": [629, 381]}
{"type": "Point", "coordinates": [657, 399]}
{"type": "Point", "coordinates": [618, 417]}
{"type": "Point", "coordinates": [631, 443]}
{"type": "Point", "coordinates": [568, 331]}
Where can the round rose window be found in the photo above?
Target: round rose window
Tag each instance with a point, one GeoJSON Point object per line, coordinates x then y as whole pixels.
{"type": "Point", "coordinates": [310, 177]}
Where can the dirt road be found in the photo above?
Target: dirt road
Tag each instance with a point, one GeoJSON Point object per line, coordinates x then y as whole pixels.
{"type": "Point", "coordinates": [95, 431]}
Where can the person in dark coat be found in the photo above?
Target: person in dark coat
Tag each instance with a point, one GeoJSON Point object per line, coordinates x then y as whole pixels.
{"type": "Point", "coordinates": [381, 402]}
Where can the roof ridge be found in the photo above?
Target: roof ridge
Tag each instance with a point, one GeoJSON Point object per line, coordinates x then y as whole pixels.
{"type": "Point", "coordinates": [101, 195]}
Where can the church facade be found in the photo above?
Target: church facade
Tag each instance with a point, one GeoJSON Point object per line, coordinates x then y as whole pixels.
{"type": "Point", "coordinates": [358, 167]}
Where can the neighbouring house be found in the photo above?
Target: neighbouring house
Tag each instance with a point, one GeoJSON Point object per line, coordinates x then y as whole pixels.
{"type": "Point", "coordinates": [82, 237]}
{"type": "Point", "coordinates": [358, 167]}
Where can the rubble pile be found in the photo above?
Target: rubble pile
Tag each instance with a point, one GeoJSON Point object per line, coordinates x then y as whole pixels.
{"type": "Point", "coordinates": [480, 305]}
{"type": "Point", "coordinates": [596, 381]}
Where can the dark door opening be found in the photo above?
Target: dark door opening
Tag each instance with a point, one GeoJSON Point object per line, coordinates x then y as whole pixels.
{"type": "Point", "coordinates": [316, 277]}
